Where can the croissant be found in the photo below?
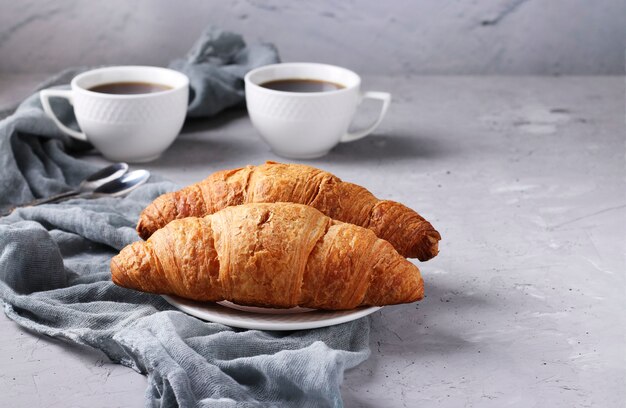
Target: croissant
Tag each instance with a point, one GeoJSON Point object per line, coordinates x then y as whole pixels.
{"type": "Point", "coordinates": [278, 255]}
{"type": "Point", "coordinates": [410, 234]}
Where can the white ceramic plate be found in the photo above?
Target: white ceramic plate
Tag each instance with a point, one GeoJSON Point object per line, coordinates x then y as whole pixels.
{"type": "Point", "coordinates": [266, 319]}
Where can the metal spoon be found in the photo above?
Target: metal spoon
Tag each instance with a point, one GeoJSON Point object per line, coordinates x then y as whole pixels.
{"type": "Point", "coordinates": [103, 176]}
{"type": "Point", "coordinates": [88, 185]}
{"type": "Point", "coordinates": [116, 187]}
{"type": "Point", "coordinates": [120, 186]}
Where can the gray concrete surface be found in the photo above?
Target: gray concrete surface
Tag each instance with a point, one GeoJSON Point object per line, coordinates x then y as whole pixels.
{"type": "Point", "coordinates": [524, 307]}
{"type": "Point", "coordinates": [531, 37]}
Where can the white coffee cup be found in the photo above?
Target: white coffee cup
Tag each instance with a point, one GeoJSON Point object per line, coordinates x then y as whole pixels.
{"type": "Point", "coordinates": [125, 127]}
{"type": "Point", "coordinates": [306, 125]}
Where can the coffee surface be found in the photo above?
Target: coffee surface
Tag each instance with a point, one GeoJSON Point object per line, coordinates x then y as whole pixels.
{"type": "Point", "coordinates": [302, 85]}
{"type": "Point", "coordinates": [129, 88]}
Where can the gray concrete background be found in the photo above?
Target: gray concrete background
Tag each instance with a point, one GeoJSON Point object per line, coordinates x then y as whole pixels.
{"type": "Point", "coordinates": [373, 37]}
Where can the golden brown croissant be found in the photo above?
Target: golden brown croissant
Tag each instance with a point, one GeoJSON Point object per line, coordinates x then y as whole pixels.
{"type": "Point", "coordinates": [410, 234]}
{"type": "Point", "coordinates": [277, 255]}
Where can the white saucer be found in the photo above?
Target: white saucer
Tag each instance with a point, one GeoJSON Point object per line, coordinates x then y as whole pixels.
{"type": "Point", "coordinates": [260, 318]}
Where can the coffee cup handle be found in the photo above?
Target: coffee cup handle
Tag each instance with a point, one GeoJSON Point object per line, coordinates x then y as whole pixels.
{"type": "Point", "coordinates": [44, 97]}
{"type": "Point", "coordinates": [359, 134]}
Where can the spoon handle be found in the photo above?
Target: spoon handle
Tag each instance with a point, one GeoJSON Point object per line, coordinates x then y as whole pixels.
{"type": "Point", "coordinates": [51, 199]}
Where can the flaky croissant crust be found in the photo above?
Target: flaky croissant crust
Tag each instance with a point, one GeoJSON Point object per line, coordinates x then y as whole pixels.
{"type": "Point", "coordinates": [277, 255]}
{"type": "Point", "coordinates": [410, 234]}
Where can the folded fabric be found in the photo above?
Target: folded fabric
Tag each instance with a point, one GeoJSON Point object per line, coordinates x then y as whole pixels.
{"type": "Point", "coordinates": [55, 277]}
{"type": "Point", "coordinates": [216, 66]}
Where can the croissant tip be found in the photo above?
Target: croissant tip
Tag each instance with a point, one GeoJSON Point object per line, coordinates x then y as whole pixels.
{"type": "Point", "coordinates": [142, 230]}
{"type": "Point", "coordinates": [116, 271]}
{"type": "Point", "coordinates": [130, 263]}
{"type": "Point", "coordinates": [420, 290]}
{"type": "Point", "coordinates": [426, 248]}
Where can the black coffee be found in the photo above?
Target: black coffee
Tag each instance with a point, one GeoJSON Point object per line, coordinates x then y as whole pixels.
{"type": "Point", "coordinates": [302, 85]}
{"type": "Point", "coordinates": [129, 88]}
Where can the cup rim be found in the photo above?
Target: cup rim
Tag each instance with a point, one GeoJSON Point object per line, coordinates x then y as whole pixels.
{"type": "Point", "coordinates": [248, 81]}
{"type": "Point", "coordinates": [76, 87]}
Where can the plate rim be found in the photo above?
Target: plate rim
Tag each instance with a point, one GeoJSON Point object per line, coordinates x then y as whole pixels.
{"type": "Point", "coordinates": [259, 310]}
{"type": "Point", "coordinates": [271, 326]}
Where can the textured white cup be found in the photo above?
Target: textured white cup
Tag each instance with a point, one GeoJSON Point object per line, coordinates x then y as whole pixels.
{"type": "Point", "coordinates": [133, 128]}
{"type": "Point", "coordinates": [305, 125]}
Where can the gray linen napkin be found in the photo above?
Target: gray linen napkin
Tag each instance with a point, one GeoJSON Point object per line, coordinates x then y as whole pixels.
{"type": "Point", "coordinates": [55, 277]}
{"type": "Point", "coordinates": [216, 65]}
